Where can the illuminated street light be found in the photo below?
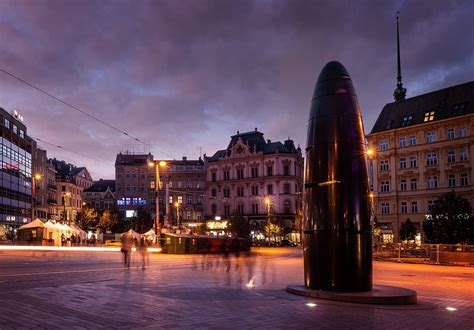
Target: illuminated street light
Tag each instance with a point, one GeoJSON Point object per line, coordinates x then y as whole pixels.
{"type": "Point", "coordinates": [370, 152]}
{"type": "Point", "coordinates": [157, 166]}
{"type": "Point", "coordinates": [177, 212]}
{"type": "Point", "coordinates": [34, 179]}
{"type": "Point", "coordinates": [65, 194]}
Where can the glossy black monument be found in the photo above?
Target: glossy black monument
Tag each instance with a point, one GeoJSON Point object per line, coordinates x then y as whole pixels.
{"type": "Point", "coordinates": [337, 229]}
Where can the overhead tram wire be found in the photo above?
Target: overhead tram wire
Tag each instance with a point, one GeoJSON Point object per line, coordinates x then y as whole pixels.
{"type": "Point", "coordinates": [72, 151]}
{"type": "Point", "coordinates": [84, 112]}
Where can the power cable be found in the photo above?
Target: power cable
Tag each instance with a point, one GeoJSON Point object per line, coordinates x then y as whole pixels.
{"type": "Point", "coordinates": [72, 151]}
{"type": "Point", "coordinates": [84, 112]}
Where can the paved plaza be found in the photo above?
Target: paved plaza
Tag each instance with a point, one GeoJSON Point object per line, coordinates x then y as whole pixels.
{"type": "Point", "coordinates": [93, 290]}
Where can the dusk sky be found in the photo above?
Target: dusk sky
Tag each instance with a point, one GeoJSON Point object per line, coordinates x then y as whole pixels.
{"type": "Point", "coordinates": [181, 75]}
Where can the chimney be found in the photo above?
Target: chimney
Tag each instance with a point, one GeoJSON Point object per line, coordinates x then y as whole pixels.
{"type": "Point", "coordinates": [238, 132]}
{"type": "Point", "coordinates": [269, 141]}
{"type": "Point", "coordinates": [184, 158]}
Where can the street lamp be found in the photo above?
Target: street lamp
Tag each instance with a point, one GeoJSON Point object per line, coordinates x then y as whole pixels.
{"type": "Point", "coordinates": [34, 179]}
{"type": "Point", "coordinates": [268, 202]}
{"type": "Point", "coordinates": [157, 165]}
{"type": "Point", "coordinates": [177, 213]}
{"type": "Point", "coordinates": [65, 194]}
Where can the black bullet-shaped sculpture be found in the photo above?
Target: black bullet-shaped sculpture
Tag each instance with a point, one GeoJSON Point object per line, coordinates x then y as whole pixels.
{"type": "Point", "coordinates": [337, 230]}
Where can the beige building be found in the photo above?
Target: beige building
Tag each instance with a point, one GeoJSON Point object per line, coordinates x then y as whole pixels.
{"type": "Point", "coordinates": [256, 178]}
{"type": "Point", "coordinates": [424, 148]}
{"type": "Point", "coordinates": [70, 183]}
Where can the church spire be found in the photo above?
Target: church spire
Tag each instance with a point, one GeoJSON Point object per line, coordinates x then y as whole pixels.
{"type": "Point", "coordinates": [400, 92]}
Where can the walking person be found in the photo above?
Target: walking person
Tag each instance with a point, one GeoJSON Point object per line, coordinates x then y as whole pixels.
{"type": "Point", "coordinates": [143, 248]}
{"type": "Point", "coordinates": [126, 249]}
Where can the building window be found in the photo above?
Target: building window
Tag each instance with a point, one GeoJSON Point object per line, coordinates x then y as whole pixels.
{"type": "Point", "coordinates": [429, 205]}
{"type": "Point", "coordinates": [152, 184]}
{"type": "Point", "coordinates": [127, 175]}
{"type": "Point", "coordinates": [402, 142]}
{"type": "Point", "coordinates": [413, 184]}
{"type": "Point", "coordinates": [240, 209]}
{"type": "Point", "coordinates": [180, 199]}
{"type": "Point", "coordinates": [22, 134]}
{"type": "Point", "coordinates": [462, 132]}
{"type": "Point", "coordinates": [226, 175]}
{"type": "Point", "coordinates": [214, 209]}
{"type": "Point", "coordinates": [385, 186]}
{"type": "Point", "coordinates": [403, 163]}
{"type": "Point", "coordinates": [452, 180]}
{"type": "Point", "coordinates": [15, 129]}
{"type": "Point", "coordinates": [254, 208]}
{"type": "Point", "coordinates": [407, 121]}
{"type": "Point", "coordinates": [383, 145]}
{"type": "Point", "coordinates": [413, 140]}
{"type": "Point", "coordinates": [128, 187]}
{"type": "Point", "coordinates": [430, 137]}
{"type": "Point", "coordinates": [403, 185]}
{"type": "Point", "coordinates": [240, 174]}
{"type": "Point", "coordinates": [189, 199]}
{"type": "Point", "coordinates": [226, 209]}
{"type": "Point", "coordinates": [403, 207]}
{"type": "Point", "coordinates": [463, 154]}
{"type": "Point", "coordinates": [429, 116]}
{"type": "Point", "coordinates": [226, 192]}
{"type": "Point", "coordinates": [214, 193]}
{"type": "Point", "coordinates": [412, 161]}
{"type": "Point", "coordinates": [414, 207]}
{"type": "Point", "coordinates": [431, 159]}
{"type": "Point", "coordinates": [286, 170]}
{"type": "Point", "coordinates": [287, 207]}
{"type": "Point", "coordinates": [270, 189]}
{"type": "Point", "coordinates": [240, 191]}
{"type": "Point", "coordinates": [6, 123]}
{"type": "Point", "coordinates": [384, 165]}
{"type": "Point", "coordinates": [171, 200]}
{"type": "Point", "coordinates": [385, 208]}
{"type": "Point", "coordinates": [255, 190]}
{"type": "Point", "coordinates": [464, 179]}
{"type": "Point", "coordinates": [451, 156]}
{"type": "Point", "coordinates": [458, 109]}
{"type": "Point", "coordinates": [389, 124]}
{"type": "Point", "coordinates": [432, 182]}
{"type": "Point", "coordinates": [286, 188]}
{"type": "Point", "coordinates": [119, 188]}
{"type": "Point", "coordinates": [269, 170]}
{"type": "Point", "coordinates": [188, 215]}
{"type": "Point", "coordinates": [450, 133]}
{"type": "Point", "coordinates": [213, 177]}
{"type": "Point", "coordinates": [254, 172]}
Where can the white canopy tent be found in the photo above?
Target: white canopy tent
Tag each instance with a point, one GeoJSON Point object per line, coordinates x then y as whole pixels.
{"type": "Point", "coordinates": [37, 223]}
{"type": "Point", "coordinates": [82, 234]}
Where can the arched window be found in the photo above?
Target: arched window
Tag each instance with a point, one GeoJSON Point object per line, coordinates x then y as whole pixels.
{"type": "Point", "coordinates": [287, 207]}
{"type": "Point", "coordinates": [214, 209]}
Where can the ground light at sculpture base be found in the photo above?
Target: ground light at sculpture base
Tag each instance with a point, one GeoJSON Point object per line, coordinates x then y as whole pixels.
{"type": "Point", "coordinates": [337, 233]}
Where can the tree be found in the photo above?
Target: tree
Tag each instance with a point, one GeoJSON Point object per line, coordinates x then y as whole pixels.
{"type": "Point", "coordinates": [272, 230]}
{"type": "Point", "coordinates": [450, 221]}
{"type": "Point", "coordinates": [88, 218]}
{"type": "Point", "coordinates": [239, 226]}
{"type": "Point", "coordinates": [108, 220]}
{"type": "Point", "coordinates": [142, 221]}
{"type": "Point", "coordinates": [408, 231]}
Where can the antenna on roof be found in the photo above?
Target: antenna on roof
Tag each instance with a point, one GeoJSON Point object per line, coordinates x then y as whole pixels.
{"type": "Point", "coordinates": [399, 93]}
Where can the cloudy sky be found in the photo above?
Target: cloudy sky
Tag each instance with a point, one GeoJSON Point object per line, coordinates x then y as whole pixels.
{"type": "Point", "coordinates": [185, 74]}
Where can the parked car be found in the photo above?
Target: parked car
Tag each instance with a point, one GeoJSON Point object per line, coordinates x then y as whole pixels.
{"type": "Point", "coordinates": [287, 242]}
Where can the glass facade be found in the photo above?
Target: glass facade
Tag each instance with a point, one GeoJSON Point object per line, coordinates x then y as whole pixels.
{"type": "Point", "coordinates": [15, 177]}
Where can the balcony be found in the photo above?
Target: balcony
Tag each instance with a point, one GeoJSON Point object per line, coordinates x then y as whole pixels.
{"type": "Point", "coordinates": [52, 201]}
{"type": "Point", "coordinates": [52, 187]}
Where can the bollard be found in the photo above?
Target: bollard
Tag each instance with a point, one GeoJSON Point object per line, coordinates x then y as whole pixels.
{"type": "Point", "coordinates": [399, 252]}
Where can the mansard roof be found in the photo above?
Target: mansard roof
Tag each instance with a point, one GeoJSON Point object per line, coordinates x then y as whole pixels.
{"type": "Point", "coordinates": [445, 103]}
{"type": "Point", "coordinates": [101, 186]}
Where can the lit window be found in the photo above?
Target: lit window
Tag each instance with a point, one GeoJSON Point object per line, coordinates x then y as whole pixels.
{"type": "Point", "coordinates": [15, 129]}
{"type": "Point", "coordinates": [429, 116]}
{"type": "Point", "coordinates": [6, 123]}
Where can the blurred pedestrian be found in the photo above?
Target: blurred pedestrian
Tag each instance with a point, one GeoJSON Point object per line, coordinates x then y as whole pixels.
{"type": "Point", "coordinates": [93, 240]}
{"type": "Point", "coordinates": [143, 249]}
{"type": "Point", "coordinates": [126, 249]}
{"type": "Point", "coordinates": [63, 239]}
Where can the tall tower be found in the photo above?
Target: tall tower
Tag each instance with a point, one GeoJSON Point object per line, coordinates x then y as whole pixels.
{"type": "Point", "coordinates": [399, 93]}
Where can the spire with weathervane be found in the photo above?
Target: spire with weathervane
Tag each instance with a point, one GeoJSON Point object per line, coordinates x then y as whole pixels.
{"type": "Point", "coordinates": [399, 93]}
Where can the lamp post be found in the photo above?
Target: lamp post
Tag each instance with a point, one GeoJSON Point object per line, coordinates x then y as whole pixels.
{"type": "Point", "coordinates": [177, 213]}
{"type": "Point", "coordinates": [268, 202]}
{"type": "Point", "coordinates": [65, 194]}
{"type": "Point", "coordinates": [157, 165]}
{"type": "Point", "coordinates": [34, 179]}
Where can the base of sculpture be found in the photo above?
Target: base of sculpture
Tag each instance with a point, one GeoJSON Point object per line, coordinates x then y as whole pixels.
{"type": "Point", "coordinates": [379, 295]}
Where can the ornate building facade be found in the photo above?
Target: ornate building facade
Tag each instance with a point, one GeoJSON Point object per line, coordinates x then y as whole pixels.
{"type": "Point", "coordinates": [257, 179]}
{"type": "Point", "coordinates": [101, 195]}
{"type": "Point", "coordinates": [424, 148]}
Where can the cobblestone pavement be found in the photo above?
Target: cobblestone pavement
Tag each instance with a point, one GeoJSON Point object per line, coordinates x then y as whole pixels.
{"type": "Point", "coordinates": [93, 290]}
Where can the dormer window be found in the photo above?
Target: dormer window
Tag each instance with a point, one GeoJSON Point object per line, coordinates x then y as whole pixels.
{"type": "Point", "coordinates": [389, 124]}
{"type": "Point", "coordinates": [407, 121]}
{"type": "Point", "coordinates": [429, 116]}
{"type": "Point", "coordinates": [458, 109]}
